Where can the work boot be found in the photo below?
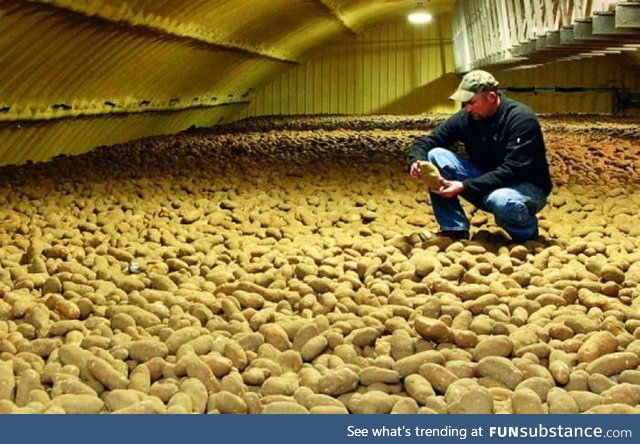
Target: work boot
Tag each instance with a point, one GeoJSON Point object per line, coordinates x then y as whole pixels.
{"type": "Point", "coordinates": [451, 234]}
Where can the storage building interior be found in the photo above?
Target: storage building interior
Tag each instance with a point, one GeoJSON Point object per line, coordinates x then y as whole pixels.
{"type": "Point", "coordinates": [205, 209]}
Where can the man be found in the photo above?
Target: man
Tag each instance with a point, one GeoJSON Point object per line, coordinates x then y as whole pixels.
{"type": "Point", "coordinates": [506, 172]}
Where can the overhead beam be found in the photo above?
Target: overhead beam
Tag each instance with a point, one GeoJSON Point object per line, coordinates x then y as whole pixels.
{"type": "Point", "coordinates": [333, 6]}
{"type": "Point", "coordinates": [512, 24]}
{"type": "Point", "coordinates": [163, 25]}
{"type": "Point", "coordinates": [482, 37]}
{"type": "Point", "coordinates": [548, 15]}
{"type": "Point", "coordinates": [530, 21]}
{"type": "Point", "coordinates": [578, 9]}
{"type": "Point", "coordinates": [538, 19]}
{"type": "Point", "coordinates": [543, 30]}
{"type": "Point", "coordinates": [565, 12]}
{"type": "Point", "coordinates": [604, 23]}
{"type": "Point", "coordinates": [521, 24]}
{"type": "Point", "coordinates": [503, 20]}
{"type": "Point", "coordinates": [628, 15]}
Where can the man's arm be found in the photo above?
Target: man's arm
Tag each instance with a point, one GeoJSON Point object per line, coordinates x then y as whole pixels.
{"type": "Point", "coordinates": [444, 135]}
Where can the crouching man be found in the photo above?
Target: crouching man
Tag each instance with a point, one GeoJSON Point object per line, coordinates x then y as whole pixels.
{"type": "Point", "coordinates": [506, 172]}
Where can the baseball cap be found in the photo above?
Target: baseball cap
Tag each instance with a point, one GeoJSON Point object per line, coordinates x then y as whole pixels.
{"type": "Point", "coordinates": [474, 82]}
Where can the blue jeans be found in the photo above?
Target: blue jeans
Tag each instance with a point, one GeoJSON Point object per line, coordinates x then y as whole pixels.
{"type": "Point", "coordinates": [514, 208]}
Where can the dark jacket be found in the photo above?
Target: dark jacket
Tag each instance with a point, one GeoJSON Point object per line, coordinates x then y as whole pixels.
{"type": "Point", "coordinates": [508, 147]}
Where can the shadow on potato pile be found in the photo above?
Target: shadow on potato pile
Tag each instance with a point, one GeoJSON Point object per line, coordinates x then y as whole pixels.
{"type": "Point", "coordinates": [253, 268]}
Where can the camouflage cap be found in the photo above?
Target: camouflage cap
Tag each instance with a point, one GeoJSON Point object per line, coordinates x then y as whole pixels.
{"type": "Point", "coordinates": [474, 82]}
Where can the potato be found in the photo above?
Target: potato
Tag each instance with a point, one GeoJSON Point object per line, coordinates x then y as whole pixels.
{"type": "Point", "coordinates": [197, 392]}
{"type": "Point", "coordinates": [7, 381]}
{"type": "Point", "coordinates": [433, 329]}
{"type": "Point", "coordinates": [405, 406]}
{"type": "Point", "coordinates": [614, 363]}
{"type": "Point", "coordinates": [500, 369]}
{"type": "Point", "coordinates": [29, 381]}
{"type": "Point", "coordinates": [411, 364]}
{"type": "Point", "coordinates": [561, 402]}
{"type": "Point", "coordinates": [371, 403]}
{"type": "Point", "coordinates": [539, 385]}
{"type": "Point", "coordinates": [477, 400]}
{"type": "Point", "coordinates": [181, 401]}
{"type": "Point", "coordinates": [613, 409]}
{"type": "Point", "coordinates": [106, 374]}
{"type": "Point", "coordinates": [338, 382]}
{"type": "Point", "coordinates": [142, 317]}
{"type": "Point", "coordinates": [145, 350]}
{"type": "Point", "coordinates": [430, 175]}
{"type": "Point", "coordinates": [194, 367]}
{"type": "Point", "coordinates": [597, 345]}
{"type": "Point", "coordinates": [622, 394]}
{"type": "Point", "coordinates": [493, 346]}
{"type": "Point", "coordinates": [472, 291]}
{"type": "Point", "coordinates": [119, 399]}
{"type": "Point", "coordinates": [71, 386]}
{"type": "Point", "coordinates": [180, 337]}
{"type": "Point", "coordinates": [286, 385]}
{"type": "Point", "coordinates": [145, 407]}
{"type": "Point", "coordinates": [425, 264]}
{"type": "Point", "coordinates": [328, 410]}
{"type": "Point", "coordinates": [275, 335]}
{"type": "Point", "coordinates": [62, 306]}
{"type": "Point", "coordinates": [526, 401]}
{"type": "Point", "coordinates": [586, 400]}
{"type": "Point", "coordinates": [303, 335]}
{"type": "Point", "coordinates": [79, 404]}
{"type": "Point", "coordinates": [288, 408]}
{"type": "Point", "coordinates": [372, 375]}
{"type": "Point", "coordinates": [227, 403]}
{"type": "Point", "coordinates": [318, 399]}
{"type": "Point", "coordinates": [438, 376]}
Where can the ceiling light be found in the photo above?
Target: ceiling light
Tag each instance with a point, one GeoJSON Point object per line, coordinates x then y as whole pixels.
{"type": "Point", "coordinates": [420, 15]}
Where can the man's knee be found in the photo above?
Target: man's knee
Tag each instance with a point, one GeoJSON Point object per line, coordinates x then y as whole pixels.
{"type": "Point", "coordinates": [507, 207]}
{"type": "Point", "coordinates": [439, 156]}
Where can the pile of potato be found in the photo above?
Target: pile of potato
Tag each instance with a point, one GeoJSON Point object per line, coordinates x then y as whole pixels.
{"type": "Point", "coordinates": [275, 269]}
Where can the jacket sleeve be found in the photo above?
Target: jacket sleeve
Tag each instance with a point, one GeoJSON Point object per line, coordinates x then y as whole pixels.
{"type": "Point", "coordinates": [524, 146]}
{"type": "Point", "coordinates": [444, 135]}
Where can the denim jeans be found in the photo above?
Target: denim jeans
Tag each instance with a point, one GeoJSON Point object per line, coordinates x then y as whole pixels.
{"type": "Point", "coordinates": [514, 208]}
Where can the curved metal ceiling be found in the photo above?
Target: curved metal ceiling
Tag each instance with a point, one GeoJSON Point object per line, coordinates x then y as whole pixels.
{"type": "Point", "coordinates": [99, 61]}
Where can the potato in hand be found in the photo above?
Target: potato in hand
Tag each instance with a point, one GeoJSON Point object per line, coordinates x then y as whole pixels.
{"type": "Point", "coordinates": [430, 175]}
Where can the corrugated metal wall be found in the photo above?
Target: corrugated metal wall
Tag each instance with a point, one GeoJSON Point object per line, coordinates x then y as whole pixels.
{"type": "Point", "coordinates": [392, 68]}
{"type": "Point", "coordinates": [635, 56]}
{"type": "Point", "coordinates": [399, 69]}
{"type": "Point", "coordinates": [591, 74]}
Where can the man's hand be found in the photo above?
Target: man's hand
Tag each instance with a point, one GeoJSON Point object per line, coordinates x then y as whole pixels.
{"type": "Point", "coordinates": [449, 188]}
{"type": "Point", "coordinates": [415, 170]}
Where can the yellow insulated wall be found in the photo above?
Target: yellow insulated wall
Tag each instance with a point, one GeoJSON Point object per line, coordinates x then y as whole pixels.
{"type": "Point", "coordinates": [392, 68]}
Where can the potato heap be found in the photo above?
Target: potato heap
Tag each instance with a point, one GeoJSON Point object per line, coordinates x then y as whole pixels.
{"type": "Point", "coordinates": [259, 268]}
